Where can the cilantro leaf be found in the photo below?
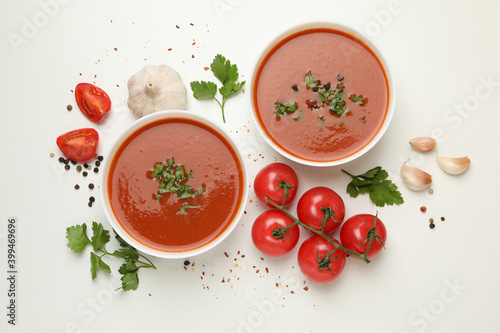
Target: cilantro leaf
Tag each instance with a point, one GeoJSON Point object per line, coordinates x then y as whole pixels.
{"type": "Point", "coordinates": [78, 240]}
{"type": "Point", "coordinates": [381, 190]}
{"type": "Point", "coordinates": [386, 193]}
{"type": "Point", "coordinates": [130, 278]}
{"type": "Point", "coordinates": [100, 237]}
{"type": "Point", "coordinates": [77, 237]}
{"type": "Point", "coordinates": [203, 89]}
{"type": "Point", "coordinates": [220, 67]}
{"type": "Point", "coordinates": [227, 74]}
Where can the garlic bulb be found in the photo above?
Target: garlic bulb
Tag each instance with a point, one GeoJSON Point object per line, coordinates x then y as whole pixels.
{"type": "Point", "coordinates": [415, 178]}
{"type": "Point", "coordinates": [423, 144]}
{"type": "Point", "coordinates": [156, 88]}
{"type": "Point", "coordinates": [453, 165]}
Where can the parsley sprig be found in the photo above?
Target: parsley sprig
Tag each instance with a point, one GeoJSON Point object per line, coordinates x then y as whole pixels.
{"type": "Point", "coordinates": [171, 179]}
{"type": "Point", "coordinates": [227, 74]}
{"type": "Point", "coordinates": [381, 190]}
{"type": "Point", "coordinates": [78, 241]}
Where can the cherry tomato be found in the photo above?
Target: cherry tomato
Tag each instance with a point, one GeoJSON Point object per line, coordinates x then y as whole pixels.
{"type": "Point", "coordinates": [262, 233]}
{"type": "Point", "coordinates": [359, 229]}
{"type": "Point", "coordinates": [313, 204]}
{"type": "Point", "coordinates": [267, 183]}
{"type": "Point", "coordinates": [317, 261]}
{"type": "Point", "coordinates": [79, 145]}
{"type": "Point", "coordinates": [92, 101]}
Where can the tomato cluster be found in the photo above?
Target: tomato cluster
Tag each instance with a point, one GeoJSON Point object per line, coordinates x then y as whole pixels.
{"type": "Point", "coordinates": [321, 211]}
{"type": "Point", "coordinates": [81, 145]}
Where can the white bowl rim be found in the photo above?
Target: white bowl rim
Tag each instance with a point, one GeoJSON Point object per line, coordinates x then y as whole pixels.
{"type": "Point", "coordinates": [372, 46]}
{"type": "Point", "coordinates": [104, 185]}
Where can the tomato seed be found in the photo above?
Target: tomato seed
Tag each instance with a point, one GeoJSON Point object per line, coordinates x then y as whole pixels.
{"type": "Point", "coordinates": [69, 107]}
{"type": "Point", "coordinates": [78, 168]}
{"type": "Point", "coordinates": [67, 167]}
{"type": "Point", "coordinates": [431, 220]}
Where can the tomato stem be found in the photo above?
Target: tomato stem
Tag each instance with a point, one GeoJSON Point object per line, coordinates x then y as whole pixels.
{"type": "Point", "coordinates": [363, 257]}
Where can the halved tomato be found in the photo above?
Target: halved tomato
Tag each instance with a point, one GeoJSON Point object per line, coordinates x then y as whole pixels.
{"type": "Point", "coordinates": [79, 145]}
{"type": "Point", "coordinates": [92, 101]}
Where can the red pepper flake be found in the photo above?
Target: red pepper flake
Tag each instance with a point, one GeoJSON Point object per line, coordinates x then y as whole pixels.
{"type": "Point", "coordinates": [192, 55]}
{"type": "Point", "coordinates": [306, 288]}
{"type": "Point", "coordinates": [423, 209]}
{"type": "Point", "coordinates": [206, 68]}
{"type": "Point", "coordinates": [261, 258]}
{"type": "Point", "coordinates": [223, 281]}
{"type": "Point", "coordinates": [292, 292]}
{"type": "Point", "coordinates": [116, 49]}
{"type": "Point", "coordinates": [191, 24]}
{"type": "Point", "coordinates": [257, 271]}
{"type": "Point", "coordinates": [267, 270]}
{"type": "Point", "coordinates": [442, 218]}
{"type": "Point", "coordinates": [227, 255]}
{"type": "Point", "coordinates": [177, 26]}
{"type": "Point", "coordinates": [170, 49]}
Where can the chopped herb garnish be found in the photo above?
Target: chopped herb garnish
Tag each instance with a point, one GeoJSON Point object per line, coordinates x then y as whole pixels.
{"type": "Point", "coordinates": [172, 179]}
{"type": "Point", "coordinates": [381, 190]}
{"type": "Point", "coordinates": [281, 108]}
{"type": "Point", "coordinates": [357, 99]}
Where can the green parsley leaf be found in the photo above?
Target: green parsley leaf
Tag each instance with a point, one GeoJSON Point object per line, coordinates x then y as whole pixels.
{"type": "Point", "coordinates": [227, 74]}
{"type": "Point", "coordinates": [381, 191]}
{"type": "Point", "coordinates": [130, 278]}
{"type": "Point", "coordinates": [97, 263]}
{"type": "Point", "coordinates": [77, 237]}
{"type": "Point", "coordinates": [100, 237]}
{"type": "Point", "coordinates": [203, 89]}
{"type": "Point", "coordinates": [78, 240]}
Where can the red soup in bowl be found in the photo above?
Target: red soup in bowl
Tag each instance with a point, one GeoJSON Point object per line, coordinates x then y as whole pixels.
{"type": "Point", "coordinates": [175, 185]}
{"type": "Point", "coordinates": [322, 95]}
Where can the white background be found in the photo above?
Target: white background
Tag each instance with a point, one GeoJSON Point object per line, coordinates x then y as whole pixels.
{"type": "Point", "coordinates": [443, 54]}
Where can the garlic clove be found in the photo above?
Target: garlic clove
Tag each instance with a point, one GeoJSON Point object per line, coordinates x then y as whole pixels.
{"type": "Point", "coordinates": [423, 144]}
{"type": "Point", "coordinates": [454, 165]}
{"type": "Point", "coordinates": [415, 178]}
{"type": "Point", "coordinates": [156, 88]}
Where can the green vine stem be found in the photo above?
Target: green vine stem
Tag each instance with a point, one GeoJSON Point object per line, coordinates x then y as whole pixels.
{"type": "Point", "coordinates": [278, 233]}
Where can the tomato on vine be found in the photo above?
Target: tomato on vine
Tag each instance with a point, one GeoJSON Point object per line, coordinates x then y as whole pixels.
{"type": "Point", "coordinates": [270, 182]}
{"type": "Point", "coordinates": [362, 233]}
{"type": "Point", "coordinates": [321, 208]}
{"type": "Point", "coordinates": [273, 233]}
{"type": "Point", "coordinates": [319, 261]}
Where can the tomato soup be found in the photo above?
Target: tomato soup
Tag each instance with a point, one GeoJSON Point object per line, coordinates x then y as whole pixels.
{"type": "Point", "coordinates": [346, 72]}
{"type": "Point", "coordinates": [157, 222]}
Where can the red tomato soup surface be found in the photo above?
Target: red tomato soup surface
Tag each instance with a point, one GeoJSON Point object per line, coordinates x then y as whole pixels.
{"type": "Point", "coordinates": [158, 223]}
{"type": "Point", "coordinates": [313, 132]}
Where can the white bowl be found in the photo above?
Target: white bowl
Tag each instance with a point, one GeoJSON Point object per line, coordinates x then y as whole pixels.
{"type": "Point", "coordinates": [105, 169]}
{"type": "Point", "coordinates": [388, 74]}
